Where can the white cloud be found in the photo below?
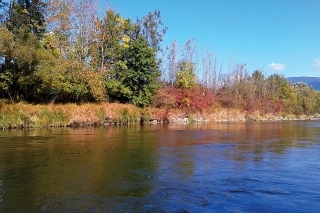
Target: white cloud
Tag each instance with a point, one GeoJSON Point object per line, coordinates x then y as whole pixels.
{"type": "Point", "coordinates": [276, 66]}
{"type": "Point", "coordinates": [317, 63]}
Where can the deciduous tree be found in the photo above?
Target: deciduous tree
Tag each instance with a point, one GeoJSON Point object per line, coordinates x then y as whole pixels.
{"type": "Point", "coordinates": [186, 76]}
{"type": "Point", "coordinates": [151, 27]}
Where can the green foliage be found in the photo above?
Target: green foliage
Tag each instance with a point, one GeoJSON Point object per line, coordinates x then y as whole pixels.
{"type": "Point", "coordinates": [11, 119]}
{"type": "Point", "coordinates": [277, 86]}
{"type": "Point", "coordinates": [135, 78]}
{"type": "Point", "coordinates": [47, 67]}
{"type": "Point", "coordinates": [6, 74]}
{"type": "Point", "coordinates": [258, 84]}
{"type": "Point", "coordinates": [117, 91]}
{"type": "Point", "coordinates": [142, 73]}
{"type": "Point", "coordinates": [51, 118]}
{"type": "Point", "coordinates": [26, 17]}
{"type": "Point", "coordinates": [61, 54]}
{"type": "Point", "coordinates": [21, 59]}
{"type": "Point", "coordinates": [258, 76]}
{"type": "Point", "coordinates": [62, 80]}
{"type": "Point", "coordinates": [112, 36]}
{"type": "Point", "coordinates": [11, 116]}
{"type": "Point", "coordinates": [317, 102]}
{"type": "Point", "coordinates": [115, 87]}
{"type": "Point", "coordinates": [126, 117]}
{"type": "Point", "coordinates": [306, 97]}
{"type": "Point", "coordinates": [6, 80]}
{"type": "Point", "coordinates": [145, 114]}
{"type": "Point", "coordinates": [6, 43]}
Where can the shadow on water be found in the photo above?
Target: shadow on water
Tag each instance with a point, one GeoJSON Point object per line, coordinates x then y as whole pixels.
{"type": "Point", "coordinates": [221, 167]}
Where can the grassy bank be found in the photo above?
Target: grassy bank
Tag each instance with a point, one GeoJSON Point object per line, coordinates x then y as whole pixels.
{"type": "Point", "coordinates": [23, 115]}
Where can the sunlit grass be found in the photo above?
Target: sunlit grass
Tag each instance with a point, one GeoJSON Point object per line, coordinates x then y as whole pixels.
{"type": "Point", "coordinates": [23, 115]}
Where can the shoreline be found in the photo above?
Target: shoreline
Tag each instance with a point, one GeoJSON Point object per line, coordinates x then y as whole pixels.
{"type": "Point", "coordinates": [25, 116]}
{"type": "Point", "coordinates": [85, 125]}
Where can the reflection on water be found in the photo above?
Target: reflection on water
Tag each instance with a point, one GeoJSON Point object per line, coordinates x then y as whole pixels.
{"type": "Point", "coordinates": [223, 167]}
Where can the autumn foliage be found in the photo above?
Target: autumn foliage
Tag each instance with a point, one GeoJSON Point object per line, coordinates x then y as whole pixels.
{"type": "Point", "coordinates": [194, 98]}
{"type": "Point", "coordinates": [65, 51]}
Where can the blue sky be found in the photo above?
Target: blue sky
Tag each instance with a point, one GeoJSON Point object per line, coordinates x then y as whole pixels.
{"type": "Point", "coordinates": [278, 36]}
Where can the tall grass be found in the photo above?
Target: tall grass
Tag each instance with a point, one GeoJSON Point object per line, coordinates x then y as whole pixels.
{"type": "Point", "coordinates": [23, 115]}
{"type": "Point", "coordinates": [101, 113]}
{"type": "Point", "coordinates": [20, 115]}
{"type": "Point", "coordinates": [145, 114]}
{"type": "Point", "coordinates": [125, 116]}
{"type": "Point", "coordinates": [12, 115]}
{"type": "Point", "coordinates": [47, 117]}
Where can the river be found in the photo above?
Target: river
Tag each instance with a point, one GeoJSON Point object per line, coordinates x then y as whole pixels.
{"type": "Point", "coordinates": [221, 167]}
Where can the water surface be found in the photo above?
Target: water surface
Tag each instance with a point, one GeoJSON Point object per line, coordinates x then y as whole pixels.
{"type": "Point", "coordinates": [223, 167]}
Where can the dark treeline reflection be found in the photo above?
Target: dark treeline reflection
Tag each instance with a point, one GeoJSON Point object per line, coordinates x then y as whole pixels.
{"type": "Point", "coordinates": [127, 168]}
{"type": "Point", "coordinates": [70, 167]}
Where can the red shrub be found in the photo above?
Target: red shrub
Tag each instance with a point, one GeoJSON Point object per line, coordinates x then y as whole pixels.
{"type": "Point", "coordinates": [194, 98]}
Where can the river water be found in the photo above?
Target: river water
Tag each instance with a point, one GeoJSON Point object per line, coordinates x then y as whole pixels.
{"type": "Point", "coordinates": [222, 167]}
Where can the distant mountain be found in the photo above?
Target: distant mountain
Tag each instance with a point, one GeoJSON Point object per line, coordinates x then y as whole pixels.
{"type": "Point", "coordinates": [312, 81]}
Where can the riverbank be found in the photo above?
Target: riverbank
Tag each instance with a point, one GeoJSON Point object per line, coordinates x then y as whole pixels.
{"type": "Point", "coordinates": [23, 115]}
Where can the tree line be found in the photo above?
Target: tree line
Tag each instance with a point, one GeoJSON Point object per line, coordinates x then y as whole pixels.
{"type": "Point", "coordinates": [63, 51]}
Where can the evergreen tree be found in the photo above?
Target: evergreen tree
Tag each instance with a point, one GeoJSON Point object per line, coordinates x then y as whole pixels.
{"type": "Point", "coordinates": [27, 16]}
{"type": "Point", "coordinates": [135, 78]}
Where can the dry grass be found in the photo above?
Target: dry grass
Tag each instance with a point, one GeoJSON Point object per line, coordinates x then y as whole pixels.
{"type": "Point", "coordinates": [221, 115]}
{"type": "Point", "coordinates": [21, 115]}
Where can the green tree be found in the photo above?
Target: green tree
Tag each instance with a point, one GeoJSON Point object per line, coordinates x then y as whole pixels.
{"type": "Point", "coordinates": [20, 37]}
{"type": "Point", "coordinates": [7, 47]}
{"type": "Point", "coordinates": [135, 79]}
{"type": "Point", "coordinates": [112, 36]}
{"type": "Point", "coordinates": [317, 101]}
{"type": "Point", "coordinates": [306, 97]}
{"type": "Point", "coordinates": [259, 84]}
{"type": "Point", "coordinates": [67, 74]}
{"type": "Point", "coordinates": [280, 90]}
{"type": "Point", "coordinates": [278, 86]}
{"type": "Point", "coordinates": [116, 89]}
{"type": "Point", "coordinates": [27, 16]}
{"type": "Point", "coordinates": [21, 59]}
{"type": "Point", "coordinates": [63, 81]}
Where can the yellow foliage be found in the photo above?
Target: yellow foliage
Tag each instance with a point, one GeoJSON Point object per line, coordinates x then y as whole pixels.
{"type": "Point", "coordinates": [49, 42]}
{"type": "Point", "coordinates": [120, 20]}
{"type": "Point", "coordinates": [6, 42]}
{"type": "Point", "coordinates": [125, 41]}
